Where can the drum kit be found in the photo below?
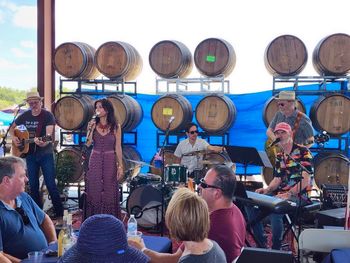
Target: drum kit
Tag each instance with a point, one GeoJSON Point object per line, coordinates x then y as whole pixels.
{"type": "Point", "coordinates": [147, 191]}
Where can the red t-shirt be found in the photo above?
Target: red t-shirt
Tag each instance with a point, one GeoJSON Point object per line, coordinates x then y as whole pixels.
{"type": "Point", "coordinates": [227, 228]}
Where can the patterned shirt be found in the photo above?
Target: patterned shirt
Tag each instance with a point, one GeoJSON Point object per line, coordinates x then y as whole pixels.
{"type": "Point", "coordinates": [289, 171]}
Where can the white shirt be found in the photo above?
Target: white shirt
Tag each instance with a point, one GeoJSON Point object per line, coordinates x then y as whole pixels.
{"type": "Point", "coordinates": [191, 162]}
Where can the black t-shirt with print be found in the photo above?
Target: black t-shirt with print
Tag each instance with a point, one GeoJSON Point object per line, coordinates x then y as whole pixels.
{"type": "Point", "coordinates": [31, 123]}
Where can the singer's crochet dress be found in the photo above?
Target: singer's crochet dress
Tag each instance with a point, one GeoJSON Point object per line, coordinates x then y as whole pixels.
{"type": "Point", "coordinates": [101, 180]}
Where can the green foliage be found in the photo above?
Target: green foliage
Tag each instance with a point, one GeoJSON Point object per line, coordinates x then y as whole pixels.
{"type": "Point", "coordinates": [65, 169]}
{"type": "Point", "coordinates": [10, 97]}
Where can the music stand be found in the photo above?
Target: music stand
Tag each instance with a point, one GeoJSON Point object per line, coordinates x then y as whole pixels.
{"type": "Point", "coordinates": [248, 156]}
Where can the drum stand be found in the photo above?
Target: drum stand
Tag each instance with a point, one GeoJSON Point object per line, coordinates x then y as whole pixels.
{"type": "Point", "coordinates": [163, 178]}
{"type": "Point", "coordinates": [296, 220]}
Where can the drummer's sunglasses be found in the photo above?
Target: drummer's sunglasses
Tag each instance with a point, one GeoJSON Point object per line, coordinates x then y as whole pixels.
{"type": "Point", "coordinates": [23, 215]}
{"type": "Point", "coordinates": [203, 184]}
{"type": "Point", "coordinates": [193, 132]}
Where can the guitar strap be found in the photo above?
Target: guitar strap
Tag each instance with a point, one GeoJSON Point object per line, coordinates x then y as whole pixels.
{"type": "Point", "coordinates": [40, 124]}
{"type": "Point", "coordinates": [39, 127]}
{"type": "Point", "coordinates": [297, 124]}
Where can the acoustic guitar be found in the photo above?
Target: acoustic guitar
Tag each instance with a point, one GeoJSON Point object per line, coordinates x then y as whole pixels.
{"type": "Point", "coordinates": [23, 148]}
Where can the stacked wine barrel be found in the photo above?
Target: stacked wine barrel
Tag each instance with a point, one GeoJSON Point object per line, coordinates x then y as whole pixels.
{"type": "Point", "coordinates": [286, 55]}
{"type": "Point", "coordinates": [213, 57]}
{"type": "Point", "coordinates": [116, 60]}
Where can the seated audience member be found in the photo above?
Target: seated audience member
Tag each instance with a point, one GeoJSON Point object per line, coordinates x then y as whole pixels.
{"type": "Point", "coordinates": [227, 224]}
{"type": "Point", "coordinates": [102, 238]}
{"type": "Point", "coordinates": [24, 227]}
{"type": "Point", "coordinates": [187, 218]}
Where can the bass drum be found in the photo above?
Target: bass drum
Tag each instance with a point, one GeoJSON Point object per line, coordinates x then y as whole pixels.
{"type": "Point", "coordinates": [145, 202]}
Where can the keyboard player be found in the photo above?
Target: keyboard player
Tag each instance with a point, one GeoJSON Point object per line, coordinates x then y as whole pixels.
{"type": "Point", "coordinates": [289, 177]}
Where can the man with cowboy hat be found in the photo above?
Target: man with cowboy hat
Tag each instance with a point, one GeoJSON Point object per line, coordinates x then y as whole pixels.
{"type": "Point", "coordinates": [300, 123]}
{"type": "Point", "coordinates": [39, 123]}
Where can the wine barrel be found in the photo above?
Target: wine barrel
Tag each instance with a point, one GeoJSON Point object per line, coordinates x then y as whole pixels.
{"type": "Point", "coordinates": [69, 167]}
{"type": "Point", "coordinates": [331, 114]}
{"type": "Point", "coordinates": [271, 107]}
{"type": "Point", "coordinates": [331, 168]}
{"type": "Point", "coordinates": [214, 57]}
{"type": "Point", "coordinates": [215, 114]}
{"type": "Point", "coordinates": [131, 169]}
{"type": "Point", "coordinates": [127, 111]}
{"type": "Point", "coordinates": [75, 60]}
{"type": "Point", "coordinates": [331, 56]}
{"type": "Point", "coordinates": [286, 55]}
{"type": "Point", "coordinates": [73, 112]}
{"type": "Point", "coordinates": [171, 59]}
{"type": "Point", "coordinates": [118, 60]}
{"type": "Point", "coordinates": [171, 105]}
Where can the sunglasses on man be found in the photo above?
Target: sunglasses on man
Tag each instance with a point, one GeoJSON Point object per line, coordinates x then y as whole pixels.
{"type": "Point", "coordinates": [193, 132]}
{"type": "Point", "coordinates": [203, 184]}
{"type": "Point", "coordinates": [23, 215]}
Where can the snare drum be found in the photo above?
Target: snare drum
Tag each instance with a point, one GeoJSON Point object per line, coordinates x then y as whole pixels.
{"type": "Point", "coordinates": [176, 173]}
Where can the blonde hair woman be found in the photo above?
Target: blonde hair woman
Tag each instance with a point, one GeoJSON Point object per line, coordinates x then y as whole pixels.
{"type": "Point", "coordinates": [187, 218]}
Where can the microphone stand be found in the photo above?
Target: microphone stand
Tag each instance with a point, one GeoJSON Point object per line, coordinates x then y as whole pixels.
{"type": "Point", "coordinates": [162, 150]}
{"type": "Point", "coordinates": [3, 142]}
{"type": "Point", "coordinates": [297, 211]}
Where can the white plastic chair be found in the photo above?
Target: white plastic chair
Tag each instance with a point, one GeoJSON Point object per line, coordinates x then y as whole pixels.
{"type": "Point", "coordinates": [323, 240]}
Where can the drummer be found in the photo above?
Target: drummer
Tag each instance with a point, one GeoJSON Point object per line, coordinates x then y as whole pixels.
{"type": "Point", "coordinates": [189, 152]}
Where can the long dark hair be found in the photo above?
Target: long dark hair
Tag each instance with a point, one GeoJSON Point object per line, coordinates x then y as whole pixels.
{"type": "Point", "coordinates": [108, 107]}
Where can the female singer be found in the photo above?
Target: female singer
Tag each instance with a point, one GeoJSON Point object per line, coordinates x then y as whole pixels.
{"type": "Point", "coordinates": [105, 164]}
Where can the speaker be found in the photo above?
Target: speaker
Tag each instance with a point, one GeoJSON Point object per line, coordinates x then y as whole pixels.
{"type": "Point", "coordinates": [261, 255]}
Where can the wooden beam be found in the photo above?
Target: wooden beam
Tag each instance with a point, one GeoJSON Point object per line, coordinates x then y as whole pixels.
{"type": "Point", "coordinates": [45, 51]}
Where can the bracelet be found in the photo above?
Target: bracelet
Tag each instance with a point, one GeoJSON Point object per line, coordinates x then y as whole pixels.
{"type": "Point", "coordinates": [143, 249]}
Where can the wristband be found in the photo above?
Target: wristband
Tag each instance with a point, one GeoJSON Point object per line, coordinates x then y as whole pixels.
{"type": "Point", "coordinates": [143, 249]}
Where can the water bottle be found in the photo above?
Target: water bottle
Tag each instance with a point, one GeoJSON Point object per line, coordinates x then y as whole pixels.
{"type": "Point", "coordinates": [132, 226]}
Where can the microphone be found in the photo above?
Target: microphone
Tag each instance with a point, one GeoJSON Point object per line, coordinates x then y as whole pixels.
{"type": "Point", "coordinates": [95, 116]}
{"type": "Point", "coordinates": [172, 118]}
{"type": "Point", "coordinates": [274, 143]}
{"type": "Point", "coordinates": [22, 104]}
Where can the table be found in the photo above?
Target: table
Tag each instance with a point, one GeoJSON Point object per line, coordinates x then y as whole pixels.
{"type": "Point", "coordinates": [156, 243]}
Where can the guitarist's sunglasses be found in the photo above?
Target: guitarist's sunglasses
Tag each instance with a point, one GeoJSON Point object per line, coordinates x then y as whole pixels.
{"type": "Point", "coordinates": [33, 102]}
{"type": "Point", "coordinates": [23, 215]}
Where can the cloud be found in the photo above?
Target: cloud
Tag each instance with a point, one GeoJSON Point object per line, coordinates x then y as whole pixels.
{"type": "Point", "coordinates": [8, 5]}
{"type": "Point", "coordinates": [6, 65]}
{"type": "Point", "coordinates": [20, 53]}
{"type": "Point", "coordinates": [28, 44]}
{"type": "Point", "coordinates": [25, 16]}
{"type": "Point", "coordinates": [2, 17]}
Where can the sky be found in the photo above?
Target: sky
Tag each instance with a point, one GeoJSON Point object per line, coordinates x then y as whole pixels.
{"type": "Point", "coordinates": [248, 25]}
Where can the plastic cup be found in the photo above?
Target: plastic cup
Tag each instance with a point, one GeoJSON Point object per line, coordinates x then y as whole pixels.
{"type": "Point", "coordinates": [136, 238]}
{"type": "Point", "coordinates": [36, 256]}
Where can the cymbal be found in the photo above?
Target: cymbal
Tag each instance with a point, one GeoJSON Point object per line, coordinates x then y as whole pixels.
{"type": "Point", "coordinates": [140, 163]}
{"type": "Point", "coordinates": [208, 162]}
{"type": "Point", "coordinates": [194, 153]}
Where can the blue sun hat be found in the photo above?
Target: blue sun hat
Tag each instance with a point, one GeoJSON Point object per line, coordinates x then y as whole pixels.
{"type": "Point", "coordinates": [102, 238]}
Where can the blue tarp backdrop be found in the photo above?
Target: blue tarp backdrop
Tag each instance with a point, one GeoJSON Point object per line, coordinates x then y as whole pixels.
{"type": "Point", "coordinates": [248, 129]}
{"type": "Point", "coordinates": [5, 118]}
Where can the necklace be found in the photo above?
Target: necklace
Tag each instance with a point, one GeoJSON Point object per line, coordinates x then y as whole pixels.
{"type": "Point", "coordinates": [103, 127]}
